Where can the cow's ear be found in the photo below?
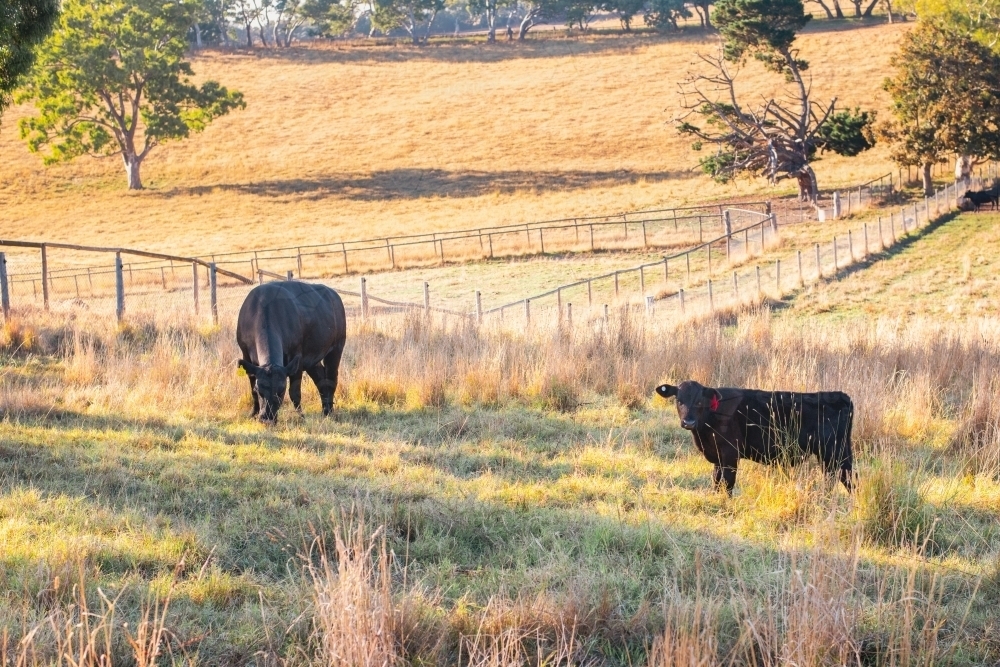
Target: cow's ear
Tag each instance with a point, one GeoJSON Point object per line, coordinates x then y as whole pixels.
{"type": "Point", "coordinates": [714, 397]}
{"type": "Point", "coordinates": [293, 366]}
{"type": "Point", "coordinates": [248, 367]}
{"type": "Point", "coordinates": [666, 390]}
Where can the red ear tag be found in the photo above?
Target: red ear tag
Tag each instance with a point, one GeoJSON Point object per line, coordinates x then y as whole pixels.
{"type": "Point", "coordinates": [714, 405]}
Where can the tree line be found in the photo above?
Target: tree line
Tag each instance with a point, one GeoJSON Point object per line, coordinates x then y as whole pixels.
{"type": "Point", "coordinates": [279, 23]}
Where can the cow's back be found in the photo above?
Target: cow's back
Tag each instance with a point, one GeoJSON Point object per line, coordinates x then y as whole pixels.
{"type": "Point", "coordinates": [768, 425]}
{"type": "Point", "coordinates": [308, 319]}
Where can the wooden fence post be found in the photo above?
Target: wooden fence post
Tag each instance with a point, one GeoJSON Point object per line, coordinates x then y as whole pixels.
{"type": "Point", "coordinates": [777, 276]}
{"type": "Point", "coordinates": [711, 300]}
{"type": "Point", "coordinates": [559, 304]}
{"type": "Point", "coordinates": [289, 275]}
{"type": "Point", "coordinates": [344, 248]}
{"type": "Point", "coordinates": [298, 262]}
{"type": "Point", "coordinates": [45, 277]}
{"type": "Point", "coordinates": [642, 281]}
{"type": "Point", "coordinates": [836, 264]}
{"type": "Point", "coordinates": [4, 291]}
{"type": "Point", "coordinates": [606, 313]}
{"type": "Point", "coordinates": [736, 287]}
{"type": "Point", "coordinates": [681, 294]}
{"type": "Point", "coordinates": [616, 283]}
{"type": "Point", "coordinates": [850, 244]}
{"type": "Point", "coordinates": [427, 299]}
{"type": "Point", "coordinates": [194, 285]}
{"type": "Point", "coordinates": [759, 290]}
{"type": "Point", "coordinates": [119, 288]}
{"type": "Point", "coordinates": [865, 253]}
{"type": "Point", "coordinates": [364, 299]}
{"type": "Point", "coordinates": [590, 295]}
{"type": "Point", "coordinates": [569, 315]}
{"type": "Point", "coordinates": [819, 263]}
{"type": "Point", "coordinates": [798, 255]}
{"type": "Point", "coordinates": [213, 288]}
{"type": "Point", "coordinates": [479, 307]}
{"type": "Point", "coordinates": [527, 311]}
{"type": "Point", "coordinates": [666, 270]}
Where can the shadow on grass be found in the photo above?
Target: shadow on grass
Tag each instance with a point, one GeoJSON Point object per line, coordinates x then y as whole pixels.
{"type": "Point", "coordinates": [395, 184]}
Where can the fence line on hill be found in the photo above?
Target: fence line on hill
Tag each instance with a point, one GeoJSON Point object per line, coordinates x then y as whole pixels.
{"type": "Point", "coordinates": [700, 267]}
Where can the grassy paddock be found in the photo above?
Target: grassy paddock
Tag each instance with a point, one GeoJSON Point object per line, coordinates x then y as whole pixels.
{"type": "Point", "coordinates": [506, 497]}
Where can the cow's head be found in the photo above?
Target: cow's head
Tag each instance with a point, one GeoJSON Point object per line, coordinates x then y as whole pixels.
{"type": "Point", "coordinates": [695, 403]}
{"type": "Point", "coordinates": [271, 382]}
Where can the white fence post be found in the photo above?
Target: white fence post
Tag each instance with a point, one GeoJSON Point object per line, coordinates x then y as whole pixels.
{"type": "Point", "coordinates": [364, 299]}
{"type": "Point", "coordinates": [479, 307]}
{"type": "Point", "coordinates": [427, 299]}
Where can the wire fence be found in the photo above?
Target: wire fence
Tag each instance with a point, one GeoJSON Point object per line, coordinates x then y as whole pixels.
{"type": "Point", "coordinates": [712, 269]}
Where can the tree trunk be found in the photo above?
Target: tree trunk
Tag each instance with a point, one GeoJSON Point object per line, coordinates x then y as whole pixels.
{"type": "Point", "coordinates": [826, 8]}
{"type": "Point", "coordinates": [526, 24]}
{"type": "Point", "coordinates": [197, 35]}
{"type": "Point", "coordinates": [857, 8]}
{"type": "Point", "coordinates": [871, 7]}
{"type": "Point", "coordinates": [925, 174]}
{"type": "Point", "coordinates": [132, 164]}
{"type": "Point", "coordinates": [963, 168]}
{"type": "Point", "coordinates": [249, 27]}
{"type": "Point", "coordinates": [806, 179]}
{"type": "Point", "coordinates": [837, 10]}
{"type": "Point", "coordinates": [888, 10]}
{"type": "Point", "coordinates": [708, 17]}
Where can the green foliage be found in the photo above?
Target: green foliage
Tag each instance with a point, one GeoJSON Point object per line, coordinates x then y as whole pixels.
{"type": "Point", "coordinates": [578, 12]}
{"type": "Point", "coordinates": [625, 10]}
{"type": "Point", "coordinates": [664, 14]}
{"type": "Point", "coordinates": [758, 26]}
{"type": "Point", "coordinates": [329, 17]}
{"type": "Point", "coordinates": [23, 24]}
{"type": "Point", "coordinates": [410, 15]}
{"type": "Point", "coordinates": [112, 79]}
{"type": "Point", "coordinates": [978, 19]}
{"type": "Point", "coordinates": [945, 97]}
{"type": "Point", "coordinates": [847, 133]}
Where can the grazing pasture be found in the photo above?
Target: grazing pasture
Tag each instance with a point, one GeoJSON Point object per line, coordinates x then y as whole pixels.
{"type": "Point", "coordinates": [526, 493]}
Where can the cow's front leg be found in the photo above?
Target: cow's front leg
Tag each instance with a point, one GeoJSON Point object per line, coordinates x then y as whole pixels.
{"type": "Point", "coordinates": [254, 396]}
{"type": "Point", "coordinates": [716, 476]}
{"type": "Point", "coordinates": [324, 386]}
{"type": "Point", "coordinates": [728, 470]}
{"type": "Point", "coordinates": [295, 390]}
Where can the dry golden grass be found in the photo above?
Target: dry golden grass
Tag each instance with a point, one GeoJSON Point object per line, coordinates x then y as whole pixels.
{"type": "Point", "coordinates": [355, 140]}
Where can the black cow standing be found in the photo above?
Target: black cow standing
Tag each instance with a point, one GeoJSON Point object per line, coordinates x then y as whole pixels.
{"type": "Point", "coordinates": [285, 328]}
{"type": "Point", "coordinates": [765, 426]}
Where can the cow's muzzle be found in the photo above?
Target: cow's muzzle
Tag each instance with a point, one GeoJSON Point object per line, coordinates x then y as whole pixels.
{"type": "Point", "coordinates": [688, 424]}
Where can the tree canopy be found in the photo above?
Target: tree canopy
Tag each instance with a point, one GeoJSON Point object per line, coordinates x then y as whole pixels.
{"type": "Point", "coordinates": [112, 80]}
{"type": "Point", "coordinates": [778, 137]}
{"type": "Point", "coordinates": [23, 24]}
{"type": "Point", "coordinates": [945, 98]}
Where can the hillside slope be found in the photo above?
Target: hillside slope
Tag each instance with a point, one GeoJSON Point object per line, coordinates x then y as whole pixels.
{"type": "Point", "coordinates": [355, 140]}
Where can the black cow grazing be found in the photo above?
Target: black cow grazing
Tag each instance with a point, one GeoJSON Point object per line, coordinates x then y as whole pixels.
{"type": "Point", "coordinates": [980, 197]}
{"type": "Point", "coordinates": [285, 328]}
{"type": "Point", "coordinates": [765, 426]}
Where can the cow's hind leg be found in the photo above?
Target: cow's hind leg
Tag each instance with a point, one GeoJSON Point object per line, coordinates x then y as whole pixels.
{"type": "Point", "coordinates": [328, 387]}
{"type": "Point", "coordinates": [725, 473]}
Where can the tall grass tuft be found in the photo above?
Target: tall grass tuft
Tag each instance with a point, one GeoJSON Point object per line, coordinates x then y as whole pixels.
{"type": "Point", "coordinates": [355, 620]}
